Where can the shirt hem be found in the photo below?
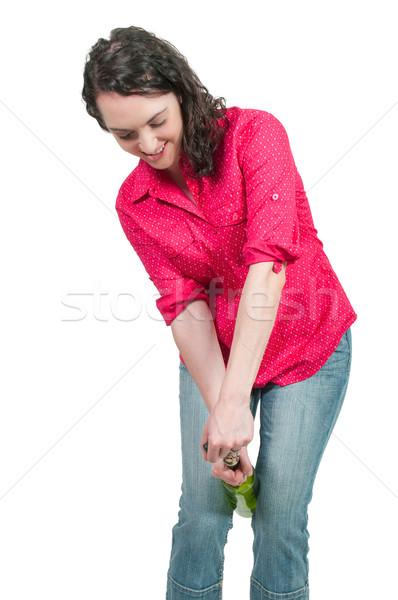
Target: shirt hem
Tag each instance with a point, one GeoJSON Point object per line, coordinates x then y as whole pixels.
{"type": "Point", "coordinates": [283, 380]}
{"type": "Point", "coordinates": [280, 379]}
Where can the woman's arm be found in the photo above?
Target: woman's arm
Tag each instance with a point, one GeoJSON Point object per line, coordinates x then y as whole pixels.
{"type": "Point", "coordinates": [227, 392]}
{"type": "Point", "coordinates": [230, 424]}
{"type": "Point", "coordinates": [255, 320]}
{"type": "Point", "coordinates": [195, 336]}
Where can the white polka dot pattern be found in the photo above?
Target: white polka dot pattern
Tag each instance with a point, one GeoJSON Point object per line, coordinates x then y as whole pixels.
{"type": "Point", "coordinates": [253, 209]}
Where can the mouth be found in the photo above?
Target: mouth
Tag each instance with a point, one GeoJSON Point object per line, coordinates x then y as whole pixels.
{"type": "Point", "coordinates": [156, 155]}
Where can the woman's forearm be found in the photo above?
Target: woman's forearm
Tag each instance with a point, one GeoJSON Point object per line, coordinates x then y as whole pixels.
{"type": "Point", "coordinates": [230, 424]}
{"type": "Point", "coordinates": [226, 392]}
{"type": "Point", "coordinates": [196, 338]}
{"type": "Point", "coordinates": [256, 316]}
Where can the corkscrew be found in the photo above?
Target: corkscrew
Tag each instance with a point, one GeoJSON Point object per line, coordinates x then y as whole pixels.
{"type": "Point", "coordinates": [231, 460]}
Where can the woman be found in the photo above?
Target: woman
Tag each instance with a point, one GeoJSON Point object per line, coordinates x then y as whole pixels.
{"type": "Point", "coordinates": [216, 211]}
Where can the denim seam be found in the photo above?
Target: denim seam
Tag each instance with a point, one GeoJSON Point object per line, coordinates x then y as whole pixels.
{"type": "Point", "coordinates": [221, 569]}
{"type": "Point", "coordinates": [191, 591]}
{"type": "Point", "coordinates": [296, 595]}
{"type": "Point", "coordinates": [349, 343]}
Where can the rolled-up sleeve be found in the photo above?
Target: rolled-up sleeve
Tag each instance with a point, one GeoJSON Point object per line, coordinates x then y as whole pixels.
{"type": "Point", "coordinates": [175, 289]}
{"type": "Point", "coordinates": [269, 172]}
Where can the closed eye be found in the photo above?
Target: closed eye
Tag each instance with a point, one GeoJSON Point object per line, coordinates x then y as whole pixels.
{"type": "Point", "coordinates": [126, 137]}
{"type": "Point", "coordinates": [158, 124]}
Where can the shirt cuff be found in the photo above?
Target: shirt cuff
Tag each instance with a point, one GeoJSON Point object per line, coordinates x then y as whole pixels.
{"type": "Point", "coordinates": [267, 252]}
{"type": "Point", "coordinates": [170, 306]}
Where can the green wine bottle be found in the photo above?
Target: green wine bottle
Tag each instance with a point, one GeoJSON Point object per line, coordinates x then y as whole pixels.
{"type": "Point", "coordinates": [242, 498]}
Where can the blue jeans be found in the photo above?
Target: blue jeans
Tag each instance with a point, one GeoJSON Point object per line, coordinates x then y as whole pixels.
{"type": "Point", "coordinates": [296, 422]}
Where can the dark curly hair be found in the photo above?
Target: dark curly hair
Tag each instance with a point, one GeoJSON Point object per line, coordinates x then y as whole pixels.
{"type": "Point", "coordinates": [135, 61]}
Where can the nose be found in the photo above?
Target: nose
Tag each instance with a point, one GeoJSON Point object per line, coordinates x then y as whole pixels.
{"type": "Point", "coordinates": [148, 143]}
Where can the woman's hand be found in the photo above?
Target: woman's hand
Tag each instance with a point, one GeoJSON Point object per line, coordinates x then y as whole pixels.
{"type": "Point", "coordinates": [229, 427]}
{"type": "Point", "coordinates": [237, 477]}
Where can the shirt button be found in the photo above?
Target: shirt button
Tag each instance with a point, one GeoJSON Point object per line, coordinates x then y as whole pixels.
{"type": "Point", "coordinates": [235, 216]}
{"type": "Point", "coordinates": [170, 250]}
{"type": "Point", "coordinates": [277, 268]}
{"type": "Point", "coordinates": [275, 196]}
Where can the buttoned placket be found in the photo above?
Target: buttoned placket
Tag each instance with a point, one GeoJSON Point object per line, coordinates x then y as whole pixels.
{"type": "Point", "coordinates": [193, 187]}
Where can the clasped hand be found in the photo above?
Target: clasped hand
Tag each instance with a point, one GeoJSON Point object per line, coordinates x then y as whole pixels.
{"type": "Point", "coordinates": [229, 427]}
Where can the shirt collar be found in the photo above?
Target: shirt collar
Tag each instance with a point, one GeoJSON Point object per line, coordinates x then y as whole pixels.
{"type": "Point", "coordinates": [145, 179]}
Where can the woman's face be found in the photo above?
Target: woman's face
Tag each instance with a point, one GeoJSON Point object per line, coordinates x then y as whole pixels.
{"type": "Point", "coordinates": [146, 126]}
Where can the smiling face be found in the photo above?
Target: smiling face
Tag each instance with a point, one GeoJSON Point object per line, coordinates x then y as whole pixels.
{"type": "Point", "coordinates": [149, 127]}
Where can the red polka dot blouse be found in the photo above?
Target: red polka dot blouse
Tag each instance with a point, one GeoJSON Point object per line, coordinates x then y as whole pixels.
{"type": "Point", "coordinates": [253, 209]}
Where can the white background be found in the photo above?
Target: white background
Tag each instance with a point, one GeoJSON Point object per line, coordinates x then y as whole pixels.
{"type": "Point", "coordinates": [89, 395]}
